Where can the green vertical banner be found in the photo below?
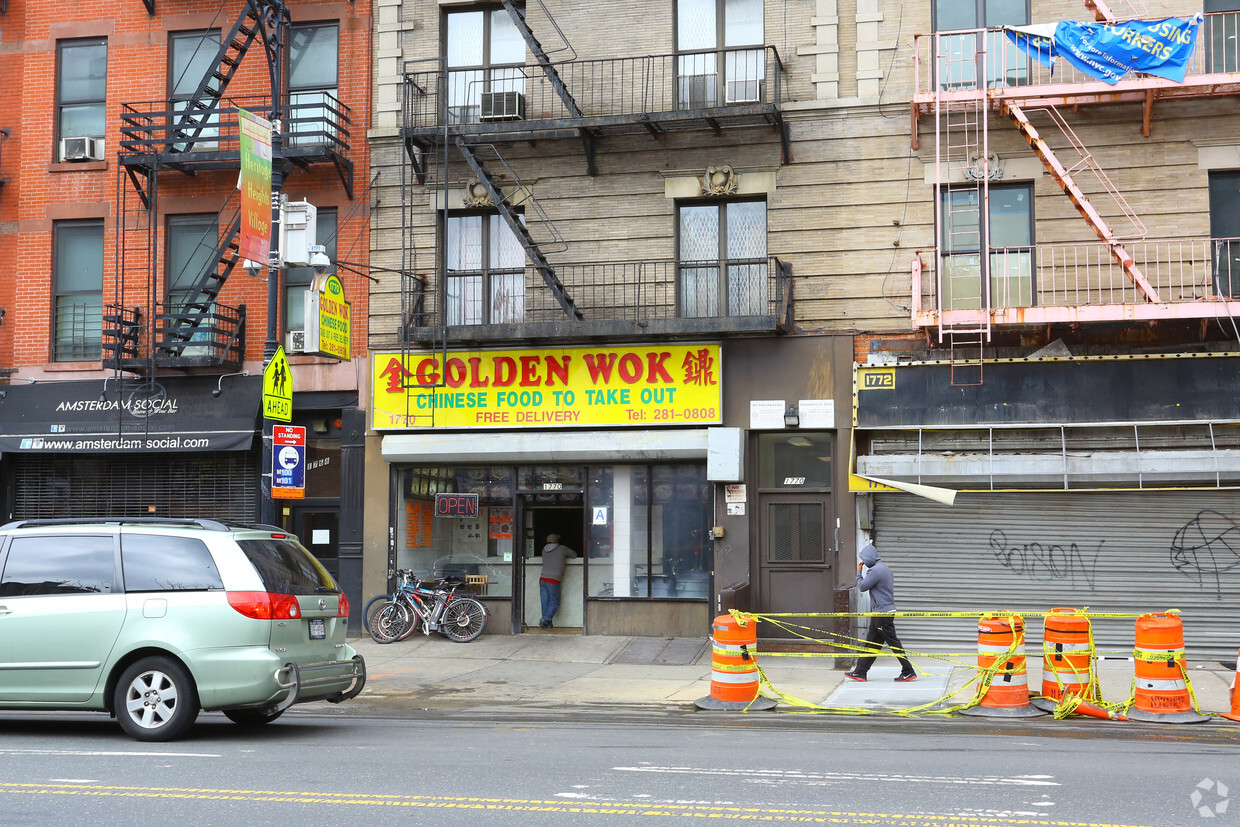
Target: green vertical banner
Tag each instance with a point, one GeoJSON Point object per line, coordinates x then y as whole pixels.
{"type": "Point", "coordinates": [255, 184]}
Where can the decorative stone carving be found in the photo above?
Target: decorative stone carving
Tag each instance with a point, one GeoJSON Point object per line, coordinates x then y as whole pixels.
{"type": "Point", "coordinates": [975, 173]}
{"type": "Point", "coordinates": [476, 194]}
{"type": "Point", "coordinates": [720, 180]}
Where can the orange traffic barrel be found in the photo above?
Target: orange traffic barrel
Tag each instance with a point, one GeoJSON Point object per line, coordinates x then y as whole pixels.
{"type": "Point", "coordinates": [1234, 715]}
{"type": "Point", "coordinates": [1001, 659]}
{"type": "Point", "coordinates": [734, 666]}
{"type": "Point", "coordinates": [1067, 659]}
{"type": "Point", "coordinates": [1160, 688]}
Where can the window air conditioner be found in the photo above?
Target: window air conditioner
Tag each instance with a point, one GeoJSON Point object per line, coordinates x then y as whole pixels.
{"type": "Point", "coordinates": [81, 149]}
{"type": "Point", "coordinates": [698, 91]}
{"type": "Point", "coordinates": [503, 106]}
{"type": "Point", "coordinates": [295, 341]}
{"type": "Point", "coordinates": [743, 91]}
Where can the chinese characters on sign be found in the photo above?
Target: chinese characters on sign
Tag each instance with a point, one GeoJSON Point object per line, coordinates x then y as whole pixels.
{"type": "Point", "coordinates": [555, 387]}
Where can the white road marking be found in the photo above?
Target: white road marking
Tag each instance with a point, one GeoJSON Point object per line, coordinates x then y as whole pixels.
{"type": "Point", "coordinates": [109, 754]}
{"type": "Point", "coordinates": [74, 780]}
{"type": "Point", "coordinates": [796, 775]}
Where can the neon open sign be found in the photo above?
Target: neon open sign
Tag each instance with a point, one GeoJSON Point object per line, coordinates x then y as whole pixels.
{"type": "Point", "coordinates": [456, 505]}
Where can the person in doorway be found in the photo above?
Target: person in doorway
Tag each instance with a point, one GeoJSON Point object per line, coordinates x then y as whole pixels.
{"type": "Point", "coordinates": [878, 581]}
{"type": "Point", "coordinates": [554, 555]}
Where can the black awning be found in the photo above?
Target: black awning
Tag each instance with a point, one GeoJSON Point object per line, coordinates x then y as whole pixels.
{"type": "Point", "coordinates": [176, 414]}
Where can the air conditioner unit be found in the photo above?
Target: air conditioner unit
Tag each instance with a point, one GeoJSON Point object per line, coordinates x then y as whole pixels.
{"type": "Point", "coordinates": [81, 149]}
{"type": "Point", "coordinates": [743, 91]}
{"type": "Point", "coordinates": [503, 106]}
{"type": "Point", "coordinates": [295, 341]}
{"type": "Point", "coordinates": [698, 91]}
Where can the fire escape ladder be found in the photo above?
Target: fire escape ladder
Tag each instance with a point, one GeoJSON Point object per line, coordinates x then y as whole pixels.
{"type": "Point", "coordinates": [1063, 176]}
{"type": "Point", "coordinates": [510, 216]}
{"type": "Point", "coordinates": [962, 188]}
{"type": "Point", "coordinates": [198, 309]}
{"type": "Point", "coordinates": [553, 76]}
{"type": "Point", "coordinates": [206, 98]}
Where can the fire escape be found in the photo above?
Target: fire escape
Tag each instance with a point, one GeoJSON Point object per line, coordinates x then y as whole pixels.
{"type": "Point", "coordinates": [146, 329]}
{"type": "Point", "coordinates": [962, 78]}
{"type": "Point", "coordinates": [453, 116]}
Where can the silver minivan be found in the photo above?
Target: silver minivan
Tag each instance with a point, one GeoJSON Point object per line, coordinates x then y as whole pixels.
{"type": "Point", "coordinates": [154, 619]}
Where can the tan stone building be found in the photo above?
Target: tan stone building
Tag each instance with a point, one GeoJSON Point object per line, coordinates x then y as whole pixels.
{"type": "Point", "coordinates": [665, 280]}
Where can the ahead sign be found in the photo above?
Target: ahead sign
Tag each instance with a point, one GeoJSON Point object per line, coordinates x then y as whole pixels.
{"type": "Point", "coordinates": [278, 389]}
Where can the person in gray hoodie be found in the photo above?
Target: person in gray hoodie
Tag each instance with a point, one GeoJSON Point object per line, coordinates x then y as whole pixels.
{"type": "Point", "coordinates": [878, 581]}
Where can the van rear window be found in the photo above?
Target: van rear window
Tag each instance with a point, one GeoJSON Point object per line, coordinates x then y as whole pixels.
{"type": "Point", "coordinates": [286, 567]}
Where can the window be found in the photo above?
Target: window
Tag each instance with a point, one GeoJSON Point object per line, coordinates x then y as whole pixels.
{"type": "Point", "coordinates": [161, 564]}
{"type": "Point", "coordinates": [796, 460]}
{"type": "Point", "coordinates": [1010, 260]}
{"type": "Point", "coordinates": [486, 53]}
{"type": "Point", "coordinates": [1222, 35]}
{"type": "Point", "coordinates": [73, 564]}
{"type": "Point", "coordinates": [1225, 231]}
{"type": "Point", "coordinates": [708, 34]}
{"type": "Point", "coordinates": [192, 57]}
{"type": "Point", "coordinates": [81, 88]}
{"type": "Point", "coordinates": [313, 80]}
{"type": "Point", "coordinates": [485, 271]}
{"type": "Point", "coordinates": [191, 246]}
{"type": "Point", "coordinates": [958, 59]}
{"type": "Point", "coordinates": [286, 567]}
{"type": "Point", "coordinates": [297, 280]}
{"type": "Point", "coordinates": [77, 287]}
{"type": "Point", "coordinates": [723, 267]}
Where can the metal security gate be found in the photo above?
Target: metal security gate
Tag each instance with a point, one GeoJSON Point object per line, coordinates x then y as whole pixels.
{"type": "Point", "coordinates": [1111, 552]}
{"type": "Point", "coordinates": [220, 486]}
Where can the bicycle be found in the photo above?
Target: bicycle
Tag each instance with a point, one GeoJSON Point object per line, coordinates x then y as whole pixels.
{"type": "Point", "coordinates": [435, 606]}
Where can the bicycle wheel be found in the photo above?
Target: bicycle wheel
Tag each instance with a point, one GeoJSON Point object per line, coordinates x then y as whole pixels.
{"type": "Point", "coordinates": [415, 620]}
{"type": "Point", "coordinates": [389, 623]}
{"type": "Point", "coordinates": [463, 620]}
{"type": "Point", "coordinates": [372, 608]}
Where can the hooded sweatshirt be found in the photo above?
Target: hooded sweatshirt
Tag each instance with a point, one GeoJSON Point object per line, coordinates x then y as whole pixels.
{"type": "Point", "coordinates": [877, 580]}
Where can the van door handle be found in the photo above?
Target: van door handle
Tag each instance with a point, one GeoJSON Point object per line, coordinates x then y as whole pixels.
{"type": "Point", "coordinates": [5, 610]}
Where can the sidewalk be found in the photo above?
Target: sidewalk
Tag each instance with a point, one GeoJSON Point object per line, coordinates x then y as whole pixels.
{"type": "Point", "coordinates": [563, 670]}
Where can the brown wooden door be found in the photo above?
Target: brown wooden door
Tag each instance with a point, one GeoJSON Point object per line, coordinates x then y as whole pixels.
{"type": "Point", "coordinates": [795, 552]}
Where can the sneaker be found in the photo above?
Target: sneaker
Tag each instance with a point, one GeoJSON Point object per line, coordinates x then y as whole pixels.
{"type": "Point", "coordinates": [912, 676]}
{"type": "Point", "coordinates": [544, 624]}
{"type": "Point", "coordinates": [853, 676]}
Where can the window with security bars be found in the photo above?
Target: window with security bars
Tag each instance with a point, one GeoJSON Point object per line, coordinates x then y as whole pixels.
{"type": "Point", "coordinates": [795, 533]}
{"type": "Point", "coordinates": [220, 486]}
{"type": "Point", "coordinates": [77, 284]}
{"type": "Point", "coordinates": [723, 268]}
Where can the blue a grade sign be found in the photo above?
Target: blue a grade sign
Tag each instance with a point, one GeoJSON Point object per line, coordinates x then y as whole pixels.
{"type": "Point", "coordinates": [1110, 51]}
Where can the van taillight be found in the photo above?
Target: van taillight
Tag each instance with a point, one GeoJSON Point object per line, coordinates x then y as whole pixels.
{"type": "Point", "coordinates": [265, 605]}
{"type": "Point", "coordinates": [343, 610]}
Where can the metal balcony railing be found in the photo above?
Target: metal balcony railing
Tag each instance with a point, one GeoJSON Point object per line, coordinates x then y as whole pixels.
{"type": "Point", "coordinates": [181, 339]}
{"type": "Point", "coordinates": [633, 292]}
{"type": "Point", "coordinates": [975, 59]}
{"type": "Point", "coordinates": [727, 83]}
{"type": "Point", "coordinates": [316, 124]}
{"type": "Point", "coordinates": [1083, 282]}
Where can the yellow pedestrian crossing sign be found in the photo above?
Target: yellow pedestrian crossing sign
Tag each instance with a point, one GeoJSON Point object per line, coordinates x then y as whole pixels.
{"type": "Point", "coordinates": [278, 389]}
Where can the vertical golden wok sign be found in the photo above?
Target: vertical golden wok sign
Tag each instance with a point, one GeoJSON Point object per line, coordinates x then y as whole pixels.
{"type": "Point", "coordinates": [550, 388]}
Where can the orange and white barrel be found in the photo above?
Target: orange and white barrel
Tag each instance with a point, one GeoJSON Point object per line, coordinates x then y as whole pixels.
{"type": "Point", "coordinates": [1001, 654]}
{"type": "Point", "coordinates": [1234, 715]}
{"type": "Point", "coordinates": [734, 678]}
{"type": "Point", "coordinates": [1067, 659]}
{"type": "Point", "coordinates": [1160, 685]}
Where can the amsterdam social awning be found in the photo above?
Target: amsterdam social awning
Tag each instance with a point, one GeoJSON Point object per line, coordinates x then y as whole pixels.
{"type": "Point", "coordinates": [91, 416]}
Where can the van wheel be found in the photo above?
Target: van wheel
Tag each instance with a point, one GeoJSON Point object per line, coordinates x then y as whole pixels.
{"type": "Point", "coordinates": [251, 717]}
{"type": "Point", "coordinates": [155, 700]}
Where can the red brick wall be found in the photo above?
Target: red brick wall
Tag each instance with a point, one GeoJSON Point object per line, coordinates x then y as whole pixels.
{"type": "Point", "coordinates": [38, 192]}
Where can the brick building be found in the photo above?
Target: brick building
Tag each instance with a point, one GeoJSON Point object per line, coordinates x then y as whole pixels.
{"type": "Point", "coordinates": [741, 181]}
{"type": "Point", "coordinates": [133, 336]}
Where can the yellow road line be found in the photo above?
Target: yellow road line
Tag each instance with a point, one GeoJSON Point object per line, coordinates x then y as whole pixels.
{"type": "Point", "coordinates": [539, 806]}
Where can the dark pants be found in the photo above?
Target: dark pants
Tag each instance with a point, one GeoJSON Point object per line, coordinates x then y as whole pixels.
{"type": "Point", "coordinates": [883, 631]}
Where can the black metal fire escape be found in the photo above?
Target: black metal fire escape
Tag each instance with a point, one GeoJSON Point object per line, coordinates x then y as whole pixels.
{"type": "Point", "coordinates": [513, 220]}
{"type": "Point", "coordinates": [553, 76]}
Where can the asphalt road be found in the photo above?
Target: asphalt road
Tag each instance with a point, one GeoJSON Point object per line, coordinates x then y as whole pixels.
{"type": "Point", "coordinates": [604, 769]}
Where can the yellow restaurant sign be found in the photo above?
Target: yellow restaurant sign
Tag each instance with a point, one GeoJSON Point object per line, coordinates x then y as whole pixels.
{"type": "Point", "coordinates": [328, 322]}
{"type": "Point", "coordinates": [553, 387]}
